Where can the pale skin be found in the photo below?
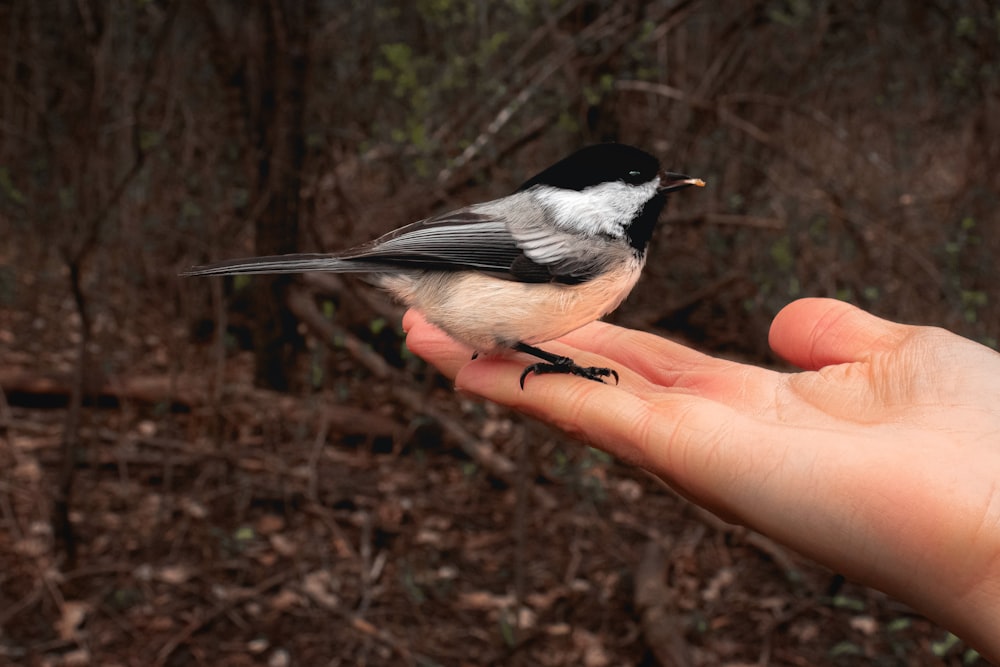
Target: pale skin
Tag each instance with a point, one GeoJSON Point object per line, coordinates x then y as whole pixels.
{"type": "Point", "coordinates": [880, 460]}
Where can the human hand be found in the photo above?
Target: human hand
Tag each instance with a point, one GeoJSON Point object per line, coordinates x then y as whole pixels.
{"type": "Point", "coordinates": [881, 460]}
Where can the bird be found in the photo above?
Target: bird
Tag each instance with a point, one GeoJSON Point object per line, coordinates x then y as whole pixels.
{"type": "Point", "coordinates": [561, 251]}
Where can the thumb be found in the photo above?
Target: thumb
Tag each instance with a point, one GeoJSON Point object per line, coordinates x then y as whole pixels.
{"type": "Point", "coordinates": [813, 333]}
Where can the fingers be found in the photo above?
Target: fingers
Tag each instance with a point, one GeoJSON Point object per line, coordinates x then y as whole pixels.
{"type": "Point", "coordinates": [600, 414]}
{"type": "Point", "coordinates": [813, 333]}
{"type": "Point", "coordinates": [645, 362]}
{"type": "Point", "coordinates": [693, 443]}
{"type": "Point", "coordinates": [657, 358]}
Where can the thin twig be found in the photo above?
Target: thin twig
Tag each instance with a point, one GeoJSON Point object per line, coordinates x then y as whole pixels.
{"type": "Point", "coordinates": [220, 608]}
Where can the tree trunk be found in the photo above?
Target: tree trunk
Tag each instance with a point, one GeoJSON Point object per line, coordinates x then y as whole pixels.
{"type": "Point", "coordinates": [280, 145]}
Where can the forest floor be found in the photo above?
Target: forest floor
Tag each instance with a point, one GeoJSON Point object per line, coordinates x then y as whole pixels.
{"type": "Point", "coordinates": [388, 521]}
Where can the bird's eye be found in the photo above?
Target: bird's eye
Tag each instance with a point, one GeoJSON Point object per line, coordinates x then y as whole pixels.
{"type": "Point", "coordinates": [634, 173]}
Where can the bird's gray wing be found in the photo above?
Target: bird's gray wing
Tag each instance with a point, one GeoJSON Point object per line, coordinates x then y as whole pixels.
{"type": "Point", "coordinates": [459, 240]}
{"type": "Point", "coordinates": [479, 240]}
{"type": "Point", "coordinates": [468, 239]}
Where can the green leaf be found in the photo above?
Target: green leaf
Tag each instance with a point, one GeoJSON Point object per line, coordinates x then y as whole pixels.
{"type": "Point", "coordinates": [846, 602]}
{"type": "Point", "coordinates": [898, 624]}
{"type": "Point", "coordinates": [244, 534]}
{"type": "Point", "coordinates": [845, 648]}
{"type": "Point", "coordinates": [943, 647]}
{"type": "Point", "coordinates": [506, 630]}
{"type": "Point", "coordinates": [8, 188]}
{"type": "Point", "coordinates": [149, 139]}
{"type": "Point", "coordinates": [781, 253]}
{"type": "Point", "coordinates": [794, 287]}
{"type": "Point", "coordinates": [316, 374]}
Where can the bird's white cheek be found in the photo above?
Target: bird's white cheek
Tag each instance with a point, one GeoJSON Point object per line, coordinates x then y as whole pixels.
{"type": "Point", "coordinates": [605, 209]}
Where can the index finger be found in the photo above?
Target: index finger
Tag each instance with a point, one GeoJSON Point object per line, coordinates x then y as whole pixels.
{"type": "Point", "coordinates": [642, 429]}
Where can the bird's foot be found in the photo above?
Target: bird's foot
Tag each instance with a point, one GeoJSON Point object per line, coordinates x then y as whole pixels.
{"type": "Point", "coordinates": [569, 367]}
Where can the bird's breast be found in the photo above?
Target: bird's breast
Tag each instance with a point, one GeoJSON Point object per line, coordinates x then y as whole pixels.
{"type": "Point", "coordinates": [488, 313]}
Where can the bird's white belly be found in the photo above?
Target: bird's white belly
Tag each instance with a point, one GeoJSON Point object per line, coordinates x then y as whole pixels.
{"type": "Point", "coordinates": [488, 313]}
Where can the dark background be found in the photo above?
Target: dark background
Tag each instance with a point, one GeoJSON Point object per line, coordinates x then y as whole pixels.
{"type": "Point", "coordinates": [256, 471]}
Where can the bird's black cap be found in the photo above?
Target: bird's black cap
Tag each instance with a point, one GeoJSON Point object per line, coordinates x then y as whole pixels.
{"type": "Point", "coordinates": [601, 163]}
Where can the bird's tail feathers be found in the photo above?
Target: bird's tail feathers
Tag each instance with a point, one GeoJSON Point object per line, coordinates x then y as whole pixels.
{"type": "Point", "coordinates": [278, 264]}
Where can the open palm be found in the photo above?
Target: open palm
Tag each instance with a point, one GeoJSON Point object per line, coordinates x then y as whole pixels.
{"type": "Point", "coordinates": [881, 459]}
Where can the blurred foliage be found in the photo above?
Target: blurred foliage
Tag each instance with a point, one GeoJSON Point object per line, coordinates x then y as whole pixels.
{"type": "Point", "coordinates": [851, 149]}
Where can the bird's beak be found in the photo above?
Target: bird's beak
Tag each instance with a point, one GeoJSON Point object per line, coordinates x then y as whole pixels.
{"type": "Point", "coordinates": [670, 181]}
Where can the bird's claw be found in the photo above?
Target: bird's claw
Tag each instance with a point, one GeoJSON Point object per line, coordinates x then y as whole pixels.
{"type": "Point", "coordinates": [569, 367]}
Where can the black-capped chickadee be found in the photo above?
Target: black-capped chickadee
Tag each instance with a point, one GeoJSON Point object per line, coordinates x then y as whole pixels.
{"type": "Point", "coordinates": [563, 250]}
